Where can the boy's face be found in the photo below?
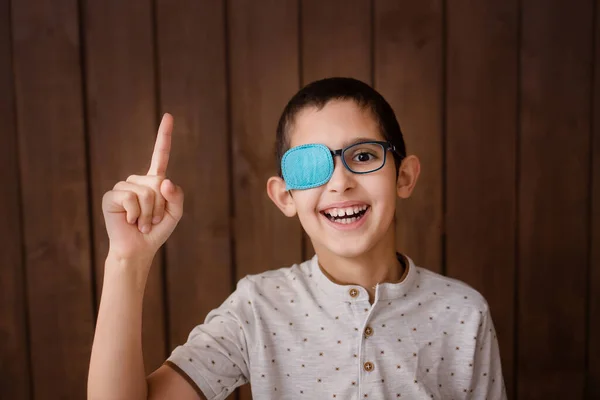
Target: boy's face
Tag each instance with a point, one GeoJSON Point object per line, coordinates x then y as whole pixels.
{"type": "Point", "coordinates": [337, 125]}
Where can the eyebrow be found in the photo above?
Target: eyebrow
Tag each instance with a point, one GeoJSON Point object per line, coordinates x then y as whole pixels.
{"type": "Point", "coordinates": [358, 140]}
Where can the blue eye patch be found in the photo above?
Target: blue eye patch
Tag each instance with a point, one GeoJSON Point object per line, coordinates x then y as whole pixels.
{"type": "Point", "coordinates": [307, 166]}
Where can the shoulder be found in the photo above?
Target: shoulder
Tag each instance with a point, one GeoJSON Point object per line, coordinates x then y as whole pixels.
{"type": "Point", "coordinates": [452, 290]}
{"type": "Point", "coordinates": [287, 279]}
{"type": "Point", "coordinates": [257, 295]}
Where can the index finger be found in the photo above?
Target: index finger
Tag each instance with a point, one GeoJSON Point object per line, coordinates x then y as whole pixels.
{"type": "Point", "coordinates": [162, 147]}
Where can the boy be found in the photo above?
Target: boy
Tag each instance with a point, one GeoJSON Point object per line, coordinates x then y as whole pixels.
{"type": "Point", "coordinates": [357, 321]}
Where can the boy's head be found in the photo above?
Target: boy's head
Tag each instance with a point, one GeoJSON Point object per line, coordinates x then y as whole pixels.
{"type": "Point", "coordinates": [346, 202]}
{"type": "Point", "coordinates": [321, 92]}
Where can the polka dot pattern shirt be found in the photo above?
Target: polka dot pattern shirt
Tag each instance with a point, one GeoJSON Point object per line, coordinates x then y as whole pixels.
{"type": "Point", "coordinates": [295, 334]}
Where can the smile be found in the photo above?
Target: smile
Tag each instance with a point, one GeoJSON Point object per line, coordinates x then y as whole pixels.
{"type": "Point", "coordinates": [346, 218]}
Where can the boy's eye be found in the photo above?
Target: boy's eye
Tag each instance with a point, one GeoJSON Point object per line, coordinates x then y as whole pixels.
{"type": "Point", "coordinates": [364, 157]}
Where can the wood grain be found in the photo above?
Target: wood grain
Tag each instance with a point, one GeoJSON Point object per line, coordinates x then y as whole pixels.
{"type": "Point", "coordinates": [264, 76]}
{"type": "Point", "coordinates": [54, 195]}
{"type": "Point", "coordinates": [263, 57]}
{"type": "Point", "coordinates": [14, 346]}
{"type": "Point", "coordinates": [481, 134]}
{"type": "Point", "coordinates": [408, 73]}
{"type": "Point", "coordinates": [341, 51]}
{"type": "Point", "coordinates": [122, 124]}
{"type": "Point", "coordinates": [593, 374]}
{"type": "Point", "coordinates": [553, 193]}
{"type": "Point", "coordinates": [191, 50]}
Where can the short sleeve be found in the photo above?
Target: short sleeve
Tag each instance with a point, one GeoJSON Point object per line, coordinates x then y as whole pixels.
{"type": "Point", "coordinates": [488, 382]}
{"type": "Point", "coordinates": [215, 356]}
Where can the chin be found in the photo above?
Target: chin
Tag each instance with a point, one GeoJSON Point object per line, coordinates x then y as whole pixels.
{"type": "Point", "coordinates": [350, 243]}
{"type": "Point", "coordinates": [346, 248]}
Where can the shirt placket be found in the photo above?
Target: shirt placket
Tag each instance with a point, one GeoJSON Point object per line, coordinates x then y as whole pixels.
{"type": "Point", "coordinates": [362, 310]}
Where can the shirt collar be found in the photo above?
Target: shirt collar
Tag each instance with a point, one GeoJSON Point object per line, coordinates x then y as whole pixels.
{"type": "Point", "coordinates": [356, 293]}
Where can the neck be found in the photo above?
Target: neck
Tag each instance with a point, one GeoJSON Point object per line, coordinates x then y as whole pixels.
{"type": "Point", "coordinates": [378, 265]}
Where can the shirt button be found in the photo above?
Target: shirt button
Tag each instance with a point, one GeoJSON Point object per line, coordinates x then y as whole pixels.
{"type": "Point", "coordinates": [368, 331]}
{"type": "Point", "coordinates": [368, 366]}
{"type": "Point", "coordinates": [353, 292]}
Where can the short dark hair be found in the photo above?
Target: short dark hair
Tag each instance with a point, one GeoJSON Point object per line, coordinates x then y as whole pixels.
{"type": "Point", "coordinates": [319, 93]}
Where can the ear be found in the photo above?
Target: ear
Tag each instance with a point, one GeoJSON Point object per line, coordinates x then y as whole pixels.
{"type": "Point", "coordinates": [408, 175]}
{"type": "Point", "coordinates": [281, 197]}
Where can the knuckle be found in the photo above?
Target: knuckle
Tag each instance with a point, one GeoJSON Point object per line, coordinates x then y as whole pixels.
{"type": "Point", "coordinates": [147, 195]}
{"type": "Point", "coordinates": [155, 182]}
{"type": "Point", "coordinates": [118, 185]}
{"type": "Point", "coordinates": [107, 196]}
{"type": "Point", "coordinates": [129, 196]}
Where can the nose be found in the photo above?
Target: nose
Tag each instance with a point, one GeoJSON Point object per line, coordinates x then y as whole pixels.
{"type": "Point", "coordinates": [342, 179]}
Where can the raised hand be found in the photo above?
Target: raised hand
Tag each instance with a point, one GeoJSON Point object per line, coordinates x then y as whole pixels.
{"type": "Point", "coordinates": [142, 212]}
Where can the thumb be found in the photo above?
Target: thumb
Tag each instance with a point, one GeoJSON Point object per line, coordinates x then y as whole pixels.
{"type": "Point", "coordinates": [173, 194]}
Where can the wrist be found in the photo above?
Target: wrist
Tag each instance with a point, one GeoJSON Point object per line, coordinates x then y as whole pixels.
{"type": "Point", "coordinates": [118, 258]}
{"type": "Point", "coordinates": [137, 267]}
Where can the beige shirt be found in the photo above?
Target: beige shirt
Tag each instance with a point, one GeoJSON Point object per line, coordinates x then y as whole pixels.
{"type": "Point", "coordinates": [295, 334]}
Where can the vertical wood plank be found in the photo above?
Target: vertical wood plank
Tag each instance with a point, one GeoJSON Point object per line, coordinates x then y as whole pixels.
{"type": "Point", "coordinates": [14, 351]}
{"type": "Point", "coordinates": [408, 73]}
{"type": "Point", "coordinates": [264, 76]}
{"type": "Point", "coordinates": [336, 41]}
{"type": "Point", "coordinates": [191, 38]}
{"type": "Point", "coordinates": [593, 376]}
{"type": "Point", "coordinates": [54, 191]}
{"type": "Point", "coordinates": [553, 195]}
{"type": "Point", "coordinates": [263, 56]}
{"type": "Point", "coordinates": [122, 124]}
{"type": "Point", "coordinates": [481, 98]}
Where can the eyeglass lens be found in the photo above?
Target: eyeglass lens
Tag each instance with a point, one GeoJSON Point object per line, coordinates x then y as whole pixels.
{"type": "Point", "coordinates": [364, 157]}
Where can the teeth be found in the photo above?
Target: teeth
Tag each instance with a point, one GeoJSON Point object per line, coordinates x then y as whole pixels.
{"type": "Point", "coordinates": [345, 216]}
{"type": "Point", "coordinates": [341, 212]}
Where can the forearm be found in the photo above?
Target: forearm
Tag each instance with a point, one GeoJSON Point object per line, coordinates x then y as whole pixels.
{"type": "Point", "coordinates": [117, 363]}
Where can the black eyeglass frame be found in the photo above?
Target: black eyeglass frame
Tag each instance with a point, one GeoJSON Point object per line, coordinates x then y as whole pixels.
{"type": "Point", "coordinates": [386, 147]}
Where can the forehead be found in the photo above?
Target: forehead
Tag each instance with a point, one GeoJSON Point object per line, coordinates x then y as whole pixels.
{"type": "Point", "coordinates": [336, 125]}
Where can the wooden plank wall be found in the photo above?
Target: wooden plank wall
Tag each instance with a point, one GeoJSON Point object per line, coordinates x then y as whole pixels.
{"type": "Point", "coordinates": [481, 160]}
{"type": "Point", "coordinates": [553, 196]}
{"type": "Point", "coordinates": [499, 99]}
{"type": "Point", "coordinates": [53, 194]}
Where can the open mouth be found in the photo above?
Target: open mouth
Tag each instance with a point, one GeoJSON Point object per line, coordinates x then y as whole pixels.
{"type": "Point", "coordinates": [346, 216]}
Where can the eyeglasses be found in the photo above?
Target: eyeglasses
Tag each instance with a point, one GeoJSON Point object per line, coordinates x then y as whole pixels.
{"type": "Point", "coordinates": [312, 165]}
{"type": "Point", "coordinates": [364, 157]}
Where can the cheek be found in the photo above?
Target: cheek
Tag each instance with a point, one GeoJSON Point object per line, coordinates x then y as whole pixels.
{"type": "Point", "coordinates": [306, 202]}
{"type": "Point", "coordinates": [381, 189]}
{"type": "Point", "coordinates": [382, 193]}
